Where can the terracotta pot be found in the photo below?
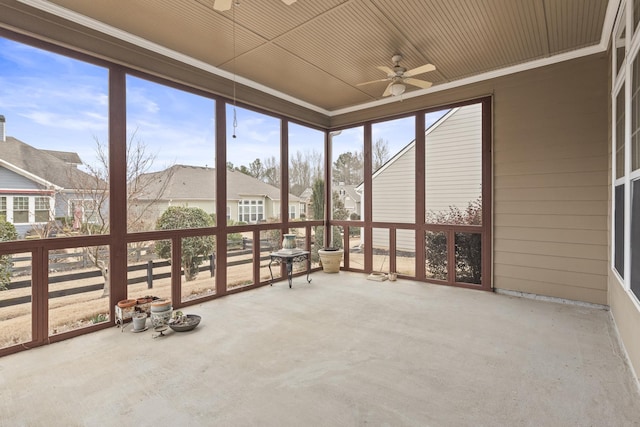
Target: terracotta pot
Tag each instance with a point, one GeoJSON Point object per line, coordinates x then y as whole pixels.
{"type": "Point", "coordinates": [160, 305]}
{"type": "Point", "coordinates": [125, 303]}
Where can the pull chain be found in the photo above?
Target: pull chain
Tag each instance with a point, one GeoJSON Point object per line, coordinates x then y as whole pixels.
{"type": "Point", "coordinates": [235, 121]}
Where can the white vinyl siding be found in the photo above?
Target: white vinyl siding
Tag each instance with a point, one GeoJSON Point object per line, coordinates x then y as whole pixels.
{"type": "Point", "coordinates": [453, 160]}
{"type": "Point", "coordinates": [393, 189]}
{"type": "Point", "coordinates": [15, 181]}
{"type": "Point", "coordinates": [453, 169]}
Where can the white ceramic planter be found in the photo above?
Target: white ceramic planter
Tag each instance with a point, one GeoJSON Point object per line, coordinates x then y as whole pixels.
{"type": "Point", "coordinates": [330, 260]}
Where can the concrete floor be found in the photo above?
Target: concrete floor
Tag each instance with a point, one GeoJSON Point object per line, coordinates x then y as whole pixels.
{"type": "Point", "coordinates": [341, 351]}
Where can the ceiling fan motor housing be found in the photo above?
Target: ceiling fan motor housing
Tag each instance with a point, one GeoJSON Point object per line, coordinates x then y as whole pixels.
{"type": "Point", "coordinates": [399, 70]}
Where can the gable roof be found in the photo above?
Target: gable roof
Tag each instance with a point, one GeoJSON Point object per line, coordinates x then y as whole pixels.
{"type": "Point", "coordinates": [306, 194]}
{"type": "Point", "coordinates": [184, 182]}
{"type": "Point", "coordinates": [42, 165]}
{"type": "Point", "coordinates": [65, 156]}
{"type": "Point", "coordinates": [433, 127]}
{"type": "Point", "coordinates": [349, 189]}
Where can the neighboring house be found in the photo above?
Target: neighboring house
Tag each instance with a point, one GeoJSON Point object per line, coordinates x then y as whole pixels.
{"type": "Point", "coordinates": [346, 193]}
{"type": "Point", "coordinates": [305, 199]}
{"type": "Point", "coordinates": [453, 174]}
{"type": "Point", "coordinates": [349, 197]}
{"type": "Point", "coordinates": [36, 186]}
{"type": "Point", "coordinates": [248, 199]}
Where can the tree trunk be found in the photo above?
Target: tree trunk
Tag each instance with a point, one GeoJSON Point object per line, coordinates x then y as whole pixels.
{"type": "Point", "coordinates": [107, 281]}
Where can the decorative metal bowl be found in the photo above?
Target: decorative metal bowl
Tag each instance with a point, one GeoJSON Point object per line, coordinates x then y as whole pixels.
{"type": "Point", "coordinates": [189, 322]}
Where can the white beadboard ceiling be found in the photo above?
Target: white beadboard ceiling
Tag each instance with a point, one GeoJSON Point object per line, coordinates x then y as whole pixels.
{"type": "Point", "coordinates": [317, 51]}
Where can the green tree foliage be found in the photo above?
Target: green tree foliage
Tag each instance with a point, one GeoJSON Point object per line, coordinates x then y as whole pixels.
{"type": "Point", "coordinates": [7, 232]}
{"type": "Point", "coordinates": [348, 168]}
{"type": "Point", "coordinates": [317, 209]}
{"type": "Point", "coordinates": [317, 199]}
{"type": "Point", "coordinates": [339, 211]}
{"type": "Point", "coordinates": [194, 249]}
{"type": "Point", "coordinates": [468, 247]}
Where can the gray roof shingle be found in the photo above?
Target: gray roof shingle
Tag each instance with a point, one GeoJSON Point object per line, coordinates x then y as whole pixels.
{"type": "Point", "coordinates": [42, 163]}
{"type": "Point", "coordinates": [183, 182]}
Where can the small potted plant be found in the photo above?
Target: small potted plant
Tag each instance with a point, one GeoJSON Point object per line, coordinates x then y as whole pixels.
{"type": "Point", "coordinates": [330, 259]}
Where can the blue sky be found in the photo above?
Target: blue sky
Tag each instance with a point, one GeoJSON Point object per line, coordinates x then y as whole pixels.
{"type": "Point", "coordinates": [58, 103]}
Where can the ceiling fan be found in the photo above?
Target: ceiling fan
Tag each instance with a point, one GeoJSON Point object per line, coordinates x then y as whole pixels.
{"type": "Point", "coordinates": [398, 76]}
{"type": "Point", "coordinates": [226, 4]}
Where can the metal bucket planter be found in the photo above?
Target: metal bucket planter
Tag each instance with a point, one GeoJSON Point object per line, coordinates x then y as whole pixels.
{"type": "Point", "coordinates": [139, 321]}
{"type": "Point", "coordinates": [330, 259]}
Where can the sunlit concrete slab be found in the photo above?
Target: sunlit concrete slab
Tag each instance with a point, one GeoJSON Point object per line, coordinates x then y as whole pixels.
{"type": "Point", "coordinates": [338, 351]}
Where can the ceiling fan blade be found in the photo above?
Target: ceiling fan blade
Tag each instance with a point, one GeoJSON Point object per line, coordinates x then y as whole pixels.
{"type": "Point", "coordinates": [419, 70]}
{"type": "Point", "coordinates": [288, 2]}
{"type": "Point", "coordinates": [387, 91]}
{"type": "Point", "coordinates": [222, 4]}
{"type": "Point", "coordinates": [416, 82]}
{"type": "Point", "coordinates": [386, 70]}
{"type": "Point", "coordinates": [372, 81]}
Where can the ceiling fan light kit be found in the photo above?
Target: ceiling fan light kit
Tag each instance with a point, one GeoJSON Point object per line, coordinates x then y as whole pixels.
{"type": "Point", "coordinates": [397, 89]}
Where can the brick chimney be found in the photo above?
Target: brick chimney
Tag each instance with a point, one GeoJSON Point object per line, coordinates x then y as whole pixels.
{"type": "Point", "coordinates": [3, 136]}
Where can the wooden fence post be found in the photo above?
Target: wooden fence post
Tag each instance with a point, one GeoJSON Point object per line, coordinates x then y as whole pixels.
{"type": "Point", "coordinates": [212, 264]}
{"type": "Point", "coordinates": [149, 274]}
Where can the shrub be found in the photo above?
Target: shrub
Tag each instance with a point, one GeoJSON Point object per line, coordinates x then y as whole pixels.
{"type": "Point", "coordinates": [468, 247]}
{"type": "Point", "coordinates": [194, 249]}
{"type": "Point", "coordinates": [7, 232]}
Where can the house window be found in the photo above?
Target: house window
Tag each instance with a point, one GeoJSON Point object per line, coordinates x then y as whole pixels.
{"type": "Point", "coordinates": [42, 209]}
{"type": "Point", "coordinates": [619, 159]}
{"type": "Point", "coordinates": [3, 208]}
{"type": "Point", "coordinates": [635, 239]}
{"type": "Point", "coordinates": [20, 210]}
{"type": "Point", "coordinates": [250, 211]}
{"type": "Point", "coordinates": [625, 159]}
{"type": "Point", "coordinates": [618, 210]}
{"type": "Point", "coordinates": [292, 211]}
{"type": "Point", "coordinates": [228, 213]}
{"type": "Point", "coordinates": [618, 230]}
{"type": "Point", "coordinates": [620, 46]}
